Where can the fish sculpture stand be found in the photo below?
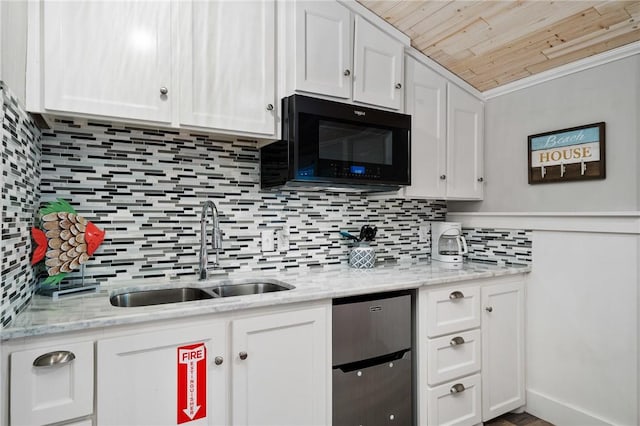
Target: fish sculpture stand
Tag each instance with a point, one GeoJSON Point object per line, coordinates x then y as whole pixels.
{"type": "Point", "coordinates": [67, 240]}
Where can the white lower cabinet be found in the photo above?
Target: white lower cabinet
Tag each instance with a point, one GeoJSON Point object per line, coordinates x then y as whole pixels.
{"type": "Point", "coordinates": [475, 372]}
{"type": "Point", "coordinates": [266, 367]}
{"type": "Point", "coordinates": [453, 356]}
{"type": "Point", "coordinates": [281, 369]}
{"type": "Point", "coordinates": [50, 384]}
{"type": "Point", "coordinates": [271, 369]}
{"type": "Point", "coordinates": [452, 309]}
{"type": "Point", "coordinates": [455, 403]}
{"type": "Point", "coordinates": [502, 349]}
{"type": "Point", "coordinates": [269, 366]}
{"type": "Point", "coordinates": [139, 379]}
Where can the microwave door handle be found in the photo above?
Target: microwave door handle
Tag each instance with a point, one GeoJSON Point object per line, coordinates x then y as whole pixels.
{"type": "Point", "coordinates": [462, 245]}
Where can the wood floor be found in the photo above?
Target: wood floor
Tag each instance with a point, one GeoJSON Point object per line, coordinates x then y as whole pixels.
{"type": "Point", "coordinates": [511, 419]}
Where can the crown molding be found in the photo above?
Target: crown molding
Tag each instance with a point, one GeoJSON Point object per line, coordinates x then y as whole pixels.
{"type": "Point", "coordinates": [561, 71]}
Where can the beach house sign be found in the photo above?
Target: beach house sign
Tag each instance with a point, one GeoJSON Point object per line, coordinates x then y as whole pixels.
{"type": "Point", "coordinates": [563, 155]}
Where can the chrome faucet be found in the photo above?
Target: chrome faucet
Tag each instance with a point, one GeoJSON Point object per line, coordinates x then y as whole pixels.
{"type": "Point", "coordinates": [216, 238]}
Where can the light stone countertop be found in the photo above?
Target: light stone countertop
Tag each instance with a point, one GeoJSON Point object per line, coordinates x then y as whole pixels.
{"type": "Point", "coordinates": [45, 316]}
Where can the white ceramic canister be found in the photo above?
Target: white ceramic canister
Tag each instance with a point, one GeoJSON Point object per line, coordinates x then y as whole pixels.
{"type": "Point", "coordinates": [362, 256]}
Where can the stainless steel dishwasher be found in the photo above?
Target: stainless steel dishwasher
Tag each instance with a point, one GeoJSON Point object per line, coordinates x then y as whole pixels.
{"type": "Point", "coordinates": [372, 365]}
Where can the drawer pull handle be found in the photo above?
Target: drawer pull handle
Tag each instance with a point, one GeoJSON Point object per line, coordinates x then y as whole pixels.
{"type": "Point", "coordinates": [457, 388]}
{"type": "Point", "coordinates": [218, 360]}
{"type": "Point", "coordinates": [488, 309]}
{"type": "Point", "coordinates": [243, 355]}
{"type": "Point", "coordinates": [456, 341]}
{"type": "Point", "coordinates": [54, 358]}
{"type": "Point", "coordinates": [456, 295]}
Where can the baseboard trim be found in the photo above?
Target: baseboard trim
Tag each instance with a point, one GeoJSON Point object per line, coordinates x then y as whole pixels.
{"type": "Point", "coordinates": [559, 413]}
{"type": "Point", "coordinates": [604, 222]}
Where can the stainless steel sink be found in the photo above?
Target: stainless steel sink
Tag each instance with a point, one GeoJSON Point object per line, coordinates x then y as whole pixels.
{"type": "Point", "coordinates": [244, 289]}
{"type": "Point", "coordinates": [187, 294]}
{"type": "Point", "coordinates": [159, 297]}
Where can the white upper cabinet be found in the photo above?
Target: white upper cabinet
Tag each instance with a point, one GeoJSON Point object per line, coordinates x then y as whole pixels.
{"type": "Point", "coordinates": [208, 64]}
{"type": "Point", "coordinates": [337, 53]}
{"type": "Point", "coordinates": [227, 65]}
{"type": "Point", "coordinates": [323, 48]}
{"type": "Point", "coordinates": [447, 136]}
{"type": "Point", "coordinates": [465, 131]}
{"type": "Point", "coordinates": [107, 58]}
{"type": "Point", "coordinates": [378, 78]}
{"type": "Point", "coordinates": [426, 100]}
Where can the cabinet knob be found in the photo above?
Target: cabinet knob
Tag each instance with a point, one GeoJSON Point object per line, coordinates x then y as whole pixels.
{"type": "Point", "coordinates": [164, 90]}
{"type": "Point", "coordinates": [457, 388]}
{"type": "Point", "coordinates": [443, 177]}
{"type": "Point", "coordinates": [456, 295]}
{"type": "Point", "coordinates": [54, 358]}
{"type": "Point", "coordinates": [218, 360]}
{"type": "Point", "coordinates": [347, 73]}
{"type": "Point", "coordinates": [269, 107]}
{"type": "Point", "coordinates": [456, 341]}
{"type": "Point", "coordinates": [398, 86]}
{"type": "Point", "coordinates": [243, 355]}
{"type": "Point", "coordinates": [480, 179]}
{"type": "Point", "coordinates": [488, 309]}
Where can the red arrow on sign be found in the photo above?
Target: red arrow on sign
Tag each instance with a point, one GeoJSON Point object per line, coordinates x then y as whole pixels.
{"type": "Point", "coordinates": [192, 382]}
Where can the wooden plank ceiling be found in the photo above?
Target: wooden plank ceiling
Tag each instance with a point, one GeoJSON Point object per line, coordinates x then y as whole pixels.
{"type": "Point", "coordinates": [491, 43]}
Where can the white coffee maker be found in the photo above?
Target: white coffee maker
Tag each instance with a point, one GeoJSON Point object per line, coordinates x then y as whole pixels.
{"type": "Point", "coordinates": [447, 242]}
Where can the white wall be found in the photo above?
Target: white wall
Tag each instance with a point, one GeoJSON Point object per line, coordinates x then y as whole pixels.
{"type": "Point", "coordinates": [13, 45]}
{"type": "Point", "coordinates": [582, 330]}
{"type": "Point", "coordinates": [609, 93]}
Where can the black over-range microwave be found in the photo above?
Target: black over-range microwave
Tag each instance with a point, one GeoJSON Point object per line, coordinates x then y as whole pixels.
{"type": "Point", "coordinates": [332, 145]}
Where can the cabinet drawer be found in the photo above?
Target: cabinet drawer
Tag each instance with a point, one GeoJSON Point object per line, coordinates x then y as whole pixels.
{"type": "Point", "coordinates": [453, 356]}
{"type": "Point", "coordinates": [450, 405]}
{"type": "Point", "coordinates": [51, 393]}
{"type": "Point", "coordinates": [452, 310]}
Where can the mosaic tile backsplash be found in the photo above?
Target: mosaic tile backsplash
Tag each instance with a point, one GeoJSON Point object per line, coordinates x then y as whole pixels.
{"type": "Point", "coordinates": [499, 246]}
{"type": "Point", "coordinates": [145, 187]}
{"type": "Point", "coordinates": [20, 177]}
